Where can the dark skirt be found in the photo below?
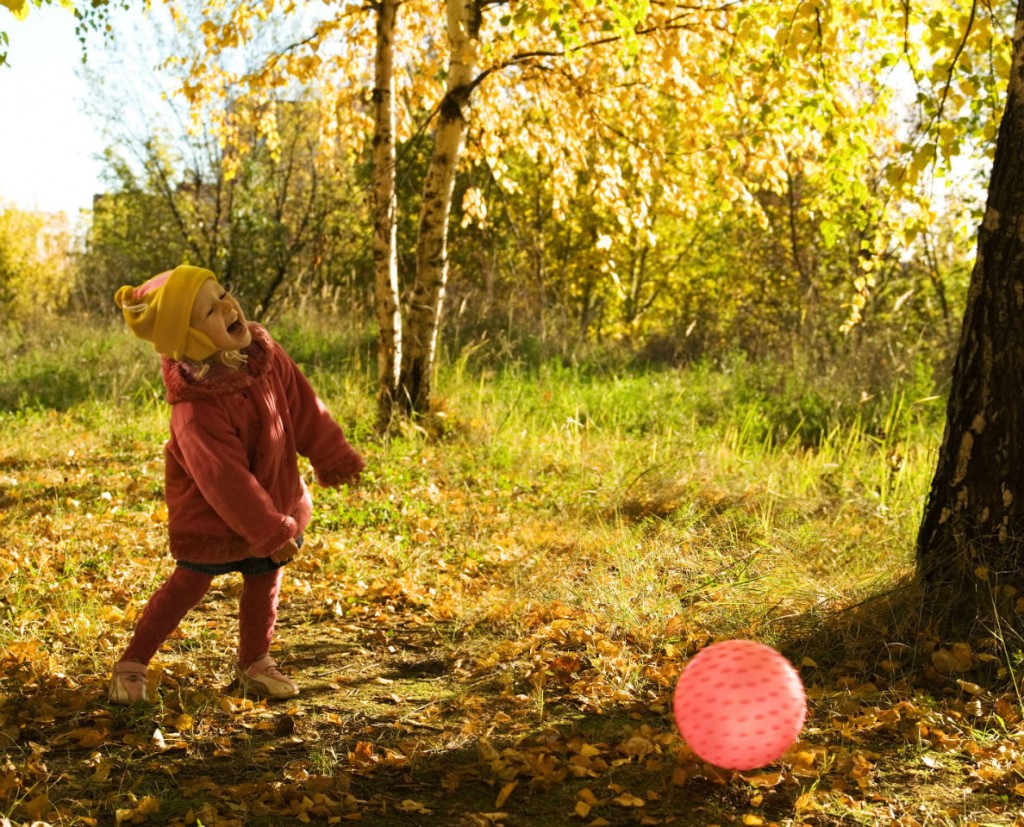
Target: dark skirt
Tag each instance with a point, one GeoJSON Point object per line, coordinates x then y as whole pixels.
{"type": "Point", "coordinates": [246, 567]}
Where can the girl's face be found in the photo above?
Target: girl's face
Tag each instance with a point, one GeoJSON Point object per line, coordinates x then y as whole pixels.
{"type": "Point", "coordinates": [216, 313]}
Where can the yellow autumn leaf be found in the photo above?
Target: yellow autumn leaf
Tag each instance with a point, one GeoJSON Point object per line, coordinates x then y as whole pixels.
{"type": "Point", "coordinates": [957, 658]}
{"type": "Point", "coordinates": [506, 791]}
{"type": "Point", "coordinates": [637, 746]}
{"type": "Point", "coordinates": [804, 802]}
{"type": "Point", "coordinates": [971, 688]}
{"type": "Point", "coordinates": [1008, 710]}
{"type": "Point", "coordinates": [111, 614]}
{"type": "Point", "coordinates": [923, 157]}
{"type": "Point", "coordinates": [410, 806]}
{"type": "Point", "coordinates": [19, 8]}
{"type": "Point", "coordinates": [146, 806]}
{"type": "Point", "coordinates": [765, 780]}
{"type": "Point", "coordinates": [88, 737]}
{"type": "Point", "coordinates": [102, 772]}
{"type": "Point", "coordinates": [38, 807]}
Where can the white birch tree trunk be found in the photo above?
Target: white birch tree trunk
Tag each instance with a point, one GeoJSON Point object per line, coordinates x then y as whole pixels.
{"type": "Point", "coordinates": [426, 299]}
{"type": "Point", "coordinates": [385, 255]}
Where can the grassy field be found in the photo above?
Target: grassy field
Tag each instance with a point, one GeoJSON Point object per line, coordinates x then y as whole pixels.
{"type": "Point", "coordinates": [489, 628]}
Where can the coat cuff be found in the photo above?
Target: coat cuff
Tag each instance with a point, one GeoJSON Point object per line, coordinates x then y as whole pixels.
{"type": "Point", "coordinates": [286, 530]}
{"type": "Point", "coordinates": [346, 470]}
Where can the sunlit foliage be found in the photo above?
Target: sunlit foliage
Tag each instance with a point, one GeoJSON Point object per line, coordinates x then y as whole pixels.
{"type": "Point", "coordinates": [35, 278]}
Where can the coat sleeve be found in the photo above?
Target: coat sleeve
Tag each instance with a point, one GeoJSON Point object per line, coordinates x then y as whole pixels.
{"type": "Point", "coordinates": [317, 436]}
{"type": "Point", "coordinates": [216, 460]}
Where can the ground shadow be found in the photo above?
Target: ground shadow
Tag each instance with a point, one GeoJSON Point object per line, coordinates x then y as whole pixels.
{"type": "Point", "coordinates": [53, 388]}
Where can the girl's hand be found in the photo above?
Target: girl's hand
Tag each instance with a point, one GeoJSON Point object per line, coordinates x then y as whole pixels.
{"type": "Point", "coordinates": [285, 553]}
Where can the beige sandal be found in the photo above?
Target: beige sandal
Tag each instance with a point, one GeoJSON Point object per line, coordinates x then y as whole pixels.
{"type": "Point", "coordinates": [263, 678]}
{"type": "Point", "coordinates": [128, 683]}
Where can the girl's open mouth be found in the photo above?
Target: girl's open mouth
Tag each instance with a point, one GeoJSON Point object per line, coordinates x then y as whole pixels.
{"type": "Point", "coordinates": [235, 327]}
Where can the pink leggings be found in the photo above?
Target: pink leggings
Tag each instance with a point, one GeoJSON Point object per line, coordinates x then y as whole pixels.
{"type": "Point", "coordinates": [257, 613]}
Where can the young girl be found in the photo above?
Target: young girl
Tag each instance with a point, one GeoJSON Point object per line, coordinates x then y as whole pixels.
{"type": "Point", "coordinates": [241, 411]}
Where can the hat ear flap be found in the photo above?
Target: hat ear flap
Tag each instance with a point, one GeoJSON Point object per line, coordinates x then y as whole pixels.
{"type": "Point", "coordinates": [199, 346]}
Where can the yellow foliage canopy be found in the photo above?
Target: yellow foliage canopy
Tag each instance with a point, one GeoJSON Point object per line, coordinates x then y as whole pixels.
{"type": "Point", "coordinates": [695, 99]}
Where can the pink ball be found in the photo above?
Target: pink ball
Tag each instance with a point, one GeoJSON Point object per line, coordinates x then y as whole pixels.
{"type": "Point", "coordinates": [739, 704]}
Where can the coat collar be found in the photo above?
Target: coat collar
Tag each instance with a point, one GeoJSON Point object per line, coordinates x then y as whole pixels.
{"type": "Point", "coordinates": [183, 386]}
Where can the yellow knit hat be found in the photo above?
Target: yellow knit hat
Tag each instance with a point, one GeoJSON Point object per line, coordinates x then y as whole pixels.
{"type": "Point", "coordinates": [160, 311]}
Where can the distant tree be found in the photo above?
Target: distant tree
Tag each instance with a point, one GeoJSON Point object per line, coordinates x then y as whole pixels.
{"type": "Point", "coordinates": [134, 232]}
{"type": "Point", "coordinates": [34, 268]}
{"type": "Point", "coordinates": [269, 215]}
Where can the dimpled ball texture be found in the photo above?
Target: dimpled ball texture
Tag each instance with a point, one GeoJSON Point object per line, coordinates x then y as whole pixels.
{"type": "Point", "coordinates": [739, 704]}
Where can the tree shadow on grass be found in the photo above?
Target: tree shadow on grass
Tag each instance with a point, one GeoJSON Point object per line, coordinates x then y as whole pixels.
{"type": "Point", "coordinates": [29, 487]}
{"type": "Point", "coordinates": [54, 388]}
{"type": "Point", "coordinates": [421, 747]}
{"type": "Point", "coordinates": [910, 689]}
{"type": "Point", "coordinates": [393, 729]}
{"type": "Point", "coordinates": [907, 633]}
{"type": "Point", "coordinates": [429, 747]}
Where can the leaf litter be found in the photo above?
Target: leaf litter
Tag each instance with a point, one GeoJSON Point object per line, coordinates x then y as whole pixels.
{"type": "Point", "coordinates": [451, 676]}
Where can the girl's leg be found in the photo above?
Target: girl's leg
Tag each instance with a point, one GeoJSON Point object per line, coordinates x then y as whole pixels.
{"type": "Point", "coordinates": [169, 604]}
{"type": "Point", "coordinates": [257, 614]}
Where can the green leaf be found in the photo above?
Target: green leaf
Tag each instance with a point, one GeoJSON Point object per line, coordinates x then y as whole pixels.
{"type": "Point", "coordinates": [829, 232]}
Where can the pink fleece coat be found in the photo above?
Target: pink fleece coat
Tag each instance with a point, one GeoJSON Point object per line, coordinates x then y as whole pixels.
{"type": "Point", "coordinates": [233, 487]}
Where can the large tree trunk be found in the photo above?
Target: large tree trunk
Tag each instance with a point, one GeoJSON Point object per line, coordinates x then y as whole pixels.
{"type": "Point", "coordinates": [427, 297]}
{"type": "Point", "coordinates": [972, 533]}
{"type": "Point", "coordinates": [385, 255]}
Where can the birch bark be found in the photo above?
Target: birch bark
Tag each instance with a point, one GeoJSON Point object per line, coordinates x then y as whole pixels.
{"type": "Point", "coordinates": [426, 299]}
{"type": "Point", "coordinates": [385, 255]}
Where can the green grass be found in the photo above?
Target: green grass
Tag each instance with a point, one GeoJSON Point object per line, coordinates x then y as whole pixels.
{"type": "Point", "coordinates": [673, 472]}
{"type": "Point", "coordinates": [690, 485]}
{"type": "Point", "coordinates": [622, 518]}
